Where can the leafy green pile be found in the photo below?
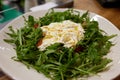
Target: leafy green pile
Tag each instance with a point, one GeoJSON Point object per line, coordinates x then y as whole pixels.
{"type": "Point", "coordinates": [56, 61]}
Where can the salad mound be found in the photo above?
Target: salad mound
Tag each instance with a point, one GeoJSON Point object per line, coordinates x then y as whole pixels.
{"type": "Point", "coordinates": [56, 61]}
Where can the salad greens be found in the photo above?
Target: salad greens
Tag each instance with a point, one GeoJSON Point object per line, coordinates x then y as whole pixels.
{"type": "Point", "coordinates": [56, 61]}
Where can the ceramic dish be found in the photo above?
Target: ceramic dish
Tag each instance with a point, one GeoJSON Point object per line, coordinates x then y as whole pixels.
{"type": "Point", "coordinates": [19, 71]}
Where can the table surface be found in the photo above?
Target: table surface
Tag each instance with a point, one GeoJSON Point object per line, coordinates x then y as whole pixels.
{"type": "Point", "coordinates": [112, 14]}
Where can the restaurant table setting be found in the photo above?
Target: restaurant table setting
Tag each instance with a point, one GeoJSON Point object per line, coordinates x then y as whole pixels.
{"type": "Point", "coordinates": [107, 16]}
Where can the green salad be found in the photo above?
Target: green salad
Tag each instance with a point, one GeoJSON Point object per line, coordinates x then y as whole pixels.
{"type": "Point", "coordinates": [58, 62]}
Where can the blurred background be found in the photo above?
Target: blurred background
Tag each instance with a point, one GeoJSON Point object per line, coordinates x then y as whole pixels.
{"type": "Point", "coordinates": [10, 9]}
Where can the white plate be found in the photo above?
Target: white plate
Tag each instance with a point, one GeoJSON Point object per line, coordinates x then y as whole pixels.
{"type": "Point", "coordinates": [18, 71]}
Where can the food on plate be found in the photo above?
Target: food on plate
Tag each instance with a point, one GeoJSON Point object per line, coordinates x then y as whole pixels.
{"type": "Point", "coordinates": [62, 45]}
